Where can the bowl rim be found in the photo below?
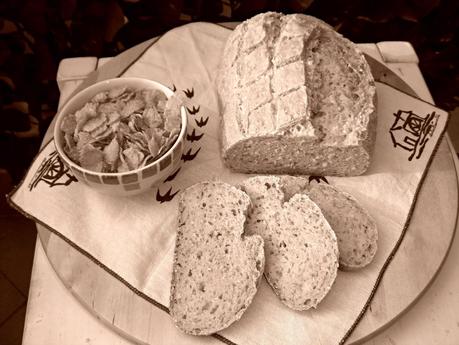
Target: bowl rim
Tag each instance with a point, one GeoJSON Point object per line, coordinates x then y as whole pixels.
{"type": "Point", "coordinates": [113, 81]}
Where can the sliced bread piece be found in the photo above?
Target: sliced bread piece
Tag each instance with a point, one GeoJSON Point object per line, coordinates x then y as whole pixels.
{"type": "Point", "coordinates": [355, 229]}
{"type": "Point", "coordinates": [216, 269]}
{"type": "Point", "coordinates": [300, 247]}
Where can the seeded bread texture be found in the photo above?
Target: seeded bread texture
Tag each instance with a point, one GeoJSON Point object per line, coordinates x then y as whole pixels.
{"type": "Point", "coordinates": [216, 269]}
{"type": "Point", "coordinates": [296, 98]}
{"type": "Point", "coordinates": [355, 229]}
{"type": "Point", "coordinates": [300, 247]}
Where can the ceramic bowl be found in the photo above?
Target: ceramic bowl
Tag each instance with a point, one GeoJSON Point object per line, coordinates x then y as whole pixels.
{"type": "Point", "coordinates": [134, 181]}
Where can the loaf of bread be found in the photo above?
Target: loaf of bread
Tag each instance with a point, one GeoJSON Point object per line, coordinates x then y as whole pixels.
{"type": "Point", "coordinates": [300, 247]}
{"type": "Point", "coordinates": [296, 98]}
{"type": "Point", "coordinates": [355, 229]}
{"type": "Point", "coordinates": [216, 269]}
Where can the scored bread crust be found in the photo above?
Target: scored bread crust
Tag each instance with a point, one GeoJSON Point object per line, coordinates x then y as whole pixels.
{"type": "Point", "coordinates": [355, 229]}
{"type": "Point", "coordinates": [216, 269]}
{"type": "Point", "coordinates": [300, 247]}
{"type": "Point", "coordinates": [296, 98]}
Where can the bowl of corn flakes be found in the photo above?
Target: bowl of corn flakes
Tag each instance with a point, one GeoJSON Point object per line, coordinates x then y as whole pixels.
{"type": "Point", "coordinates": [122, 136]}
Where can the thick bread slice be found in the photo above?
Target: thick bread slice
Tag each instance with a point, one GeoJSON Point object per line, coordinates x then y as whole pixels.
{"type": "Point", "coordinates": [216, 269]}
{"type": "Point", "coordinates": [296, 98]}
{"type": "Point", "coordinates": [355, 229]}
{"type": "Point", "coordinates": [300, 247]}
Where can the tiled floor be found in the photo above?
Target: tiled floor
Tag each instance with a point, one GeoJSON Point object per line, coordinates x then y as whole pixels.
{"type": "Point", "coordinates": [17, 242]}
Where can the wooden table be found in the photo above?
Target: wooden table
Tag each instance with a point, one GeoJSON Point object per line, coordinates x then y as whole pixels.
{"type": "Point", "coordinates": [54, 316]}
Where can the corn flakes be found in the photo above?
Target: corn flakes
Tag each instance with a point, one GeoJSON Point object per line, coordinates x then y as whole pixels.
{"type": "Point", "coordinates": [122, 129]}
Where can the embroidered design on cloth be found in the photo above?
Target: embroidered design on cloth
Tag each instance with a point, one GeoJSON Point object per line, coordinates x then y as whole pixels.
{"type": "Point", "coordinates": [194, 136]}
{"type": "Point", "coordinates": [411, 132]}
{"type": "Point", "coordinates": [53, 172]}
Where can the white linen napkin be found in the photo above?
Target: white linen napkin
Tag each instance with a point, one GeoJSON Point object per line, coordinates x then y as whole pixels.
{"type": "Point", "coordinates": [134, 237]}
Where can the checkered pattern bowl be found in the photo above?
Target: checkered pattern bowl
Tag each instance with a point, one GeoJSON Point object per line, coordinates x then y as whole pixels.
{"type": "Point", "coordinates": [134, 181]}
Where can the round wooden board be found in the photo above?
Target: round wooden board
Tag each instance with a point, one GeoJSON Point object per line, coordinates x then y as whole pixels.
{"type": "Point", "coordinates": [412, 270]}
{"type": "Point", "coordinates": [414, 267]}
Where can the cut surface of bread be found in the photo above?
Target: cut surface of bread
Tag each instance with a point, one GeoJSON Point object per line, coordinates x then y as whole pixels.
{"type": "Point", "coordinates": [300, 247]}
{"type": "Point", "coordinates": [296, 98]}
{"type": "Point", "coordinates": [216, 269]}
{"type": "Point", "coordinates": [355, 229]}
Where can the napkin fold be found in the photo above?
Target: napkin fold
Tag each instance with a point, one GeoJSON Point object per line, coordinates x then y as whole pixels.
{"type": "Point", "coordinates": [133, 238]}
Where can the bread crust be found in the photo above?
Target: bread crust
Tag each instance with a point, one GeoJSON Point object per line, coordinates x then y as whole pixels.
{"type": "Point", "coordinates": [296, 98]}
